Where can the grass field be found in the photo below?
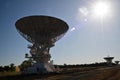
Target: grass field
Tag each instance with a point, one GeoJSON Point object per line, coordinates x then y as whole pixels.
{"type": "Point", "coordinates": [88, 73]}
{"type": "Point", "coordinates": [2, 74]}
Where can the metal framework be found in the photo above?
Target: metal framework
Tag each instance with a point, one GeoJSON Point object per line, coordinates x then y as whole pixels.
{"type": "Point", "coordinates": [42, 32]}
{"type": "Point", "coordinates": [109, 60]}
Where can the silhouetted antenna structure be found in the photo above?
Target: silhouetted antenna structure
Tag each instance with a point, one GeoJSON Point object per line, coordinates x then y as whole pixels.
{"type": "Point", "coordinates": [117, 62]}
{"type": "Point", "coordinates": [109, 60]}
{"type": "Point", "coordinates": [42, 32]}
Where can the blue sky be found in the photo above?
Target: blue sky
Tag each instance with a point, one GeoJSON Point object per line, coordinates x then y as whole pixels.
{"type": "Point", "coordinates": [88, 40]}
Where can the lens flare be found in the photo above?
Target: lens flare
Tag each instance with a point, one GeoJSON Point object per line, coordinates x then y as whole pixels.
{"type": "Point", "coordinates": [101, 9]}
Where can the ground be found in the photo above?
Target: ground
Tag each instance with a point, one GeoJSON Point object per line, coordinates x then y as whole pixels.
{"type": "Point", "coordinates": [89, 73]}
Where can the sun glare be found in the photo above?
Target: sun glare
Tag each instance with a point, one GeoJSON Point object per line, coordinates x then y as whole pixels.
{"type": "Point", "coordinates": [101, 9]}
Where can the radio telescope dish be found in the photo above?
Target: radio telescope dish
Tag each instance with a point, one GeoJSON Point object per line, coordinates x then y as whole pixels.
{"type": "Point", "coordinates": [42, 32]}
{"type": "Point", "coordinates": [109, 60]}
{"type": "Point", "coordinates": [41, 29]}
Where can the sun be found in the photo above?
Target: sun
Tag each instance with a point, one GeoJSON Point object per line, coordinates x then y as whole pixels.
{"type": "Point", "coordinates": [98, 9]}
{"type": "Point", "coordinates": [101, 9]}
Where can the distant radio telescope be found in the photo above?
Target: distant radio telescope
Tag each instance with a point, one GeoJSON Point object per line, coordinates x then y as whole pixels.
{"type": "Point", "coordinates": [117, 62]}
{"type": "Point", "coordinates": [42, 32]}
{"type": "Point", "coordinates": [109, 60]}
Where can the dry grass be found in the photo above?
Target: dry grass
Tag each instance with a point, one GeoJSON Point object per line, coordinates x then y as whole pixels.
{"type": "Point", "coordinates": [9, 73]}
{"type": "Point", "coordinates": [112, 73]}
{"type": "Point", "coordinates": [108, 73]}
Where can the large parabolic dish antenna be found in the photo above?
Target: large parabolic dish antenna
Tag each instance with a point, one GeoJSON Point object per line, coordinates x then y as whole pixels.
{"type": "Point", "coordinates": [41, 29]}
{"type": "Point", "coordinates": [42, 32]}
